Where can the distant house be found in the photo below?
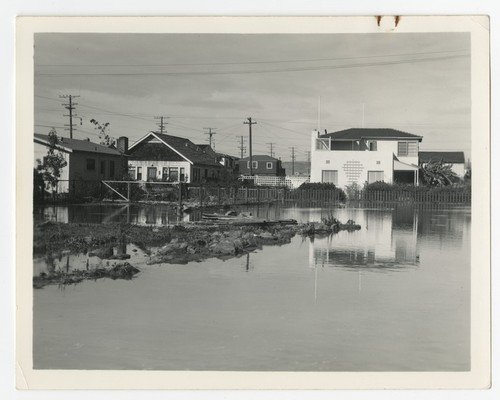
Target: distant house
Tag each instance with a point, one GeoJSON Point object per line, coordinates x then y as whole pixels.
{"type": "Point", "coordinates": [227, 161]}
{"type": "Point", "coordinates": [360, 155]}
{"type": "Point", "coordinates": [86, 161]}
{"type": "Point", "coordinates": [167, 158]}
{"type": "Point", "coordinates": [455, 159]}
{"type": "Point", "coordinates": [261, 165]}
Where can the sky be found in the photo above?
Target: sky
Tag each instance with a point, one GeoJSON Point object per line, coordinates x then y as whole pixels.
{"type": "Point", "coordinates": [289, 84]}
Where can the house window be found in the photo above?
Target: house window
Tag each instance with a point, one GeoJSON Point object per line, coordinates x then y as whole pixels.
{"type": "Point", "coordinates": [103, 167]}
{"type": "Point", "coordinates": [139, 173]}
{"type": "Point", "coordinates": [407, 149]}
{"type": "Point", "coordinates": [255, 164]}
{"type": "Point", "coordinates": [373, 146]}
{"type": "Point", "coordinates": [269, 165]}
{"type": "Point", "coordinates": [164, 174]}
{"type": "Point", "coordinates": [182, 174]}
{"type": "Point", "coordinates": [173, 174]}
{"type": "Point", "coordinates": [329, 176]}
{"type": "Point", "coordinates": [111, 169]}
{"type": "Point", "coordinates": [90, 164]}
{"type": "Point", "coordinates": [375, 176]}
{"type": "Point", "coordinates": [131, 172]}
{"type": "Point", "coordinates": [196, 174]}
{"type": "Point", "coordinates": [322, 144]}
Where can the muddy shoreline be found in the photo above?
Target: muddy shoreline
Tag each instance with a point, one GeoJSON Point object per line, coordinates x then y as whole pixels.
{"type": "Point", "coordinates": [178, 244]}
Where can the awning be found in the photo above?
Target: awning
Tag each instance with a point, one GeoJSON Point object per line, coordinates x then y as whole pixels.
{"type": "Point", "coordinates": [401, 166]}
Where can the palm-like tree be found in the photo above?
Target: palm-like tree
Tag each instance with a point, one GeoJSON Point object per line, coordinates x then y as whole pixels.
{"type": "Point", "coordinates": [437, 173]}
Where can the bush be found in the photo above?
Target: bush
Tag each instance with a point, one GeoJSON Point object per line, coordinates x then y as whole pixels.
{"type": "Point", "coordinates": [317, 186]}
{"type": "Point", "coordinates": [323, 186]}
{"type": "Point", "coordinates": [379, 187]}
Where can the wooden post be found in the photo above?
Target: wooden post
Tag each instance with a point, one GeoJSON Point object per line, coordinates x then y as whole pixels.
{"type": "Point", "coordinates": [128, 191]}
{"type": "Point", "coordinates": [201, 195]}
{"type": "Point", "coordinates": [218, 195]}
{"type": "Point", "coordinates": [180, 197]}
{"type": "Point", "coordinates": [246, 195]}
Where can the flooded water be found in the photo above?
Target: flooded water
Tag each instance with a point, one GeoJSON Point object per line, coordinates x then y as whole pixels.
{"type": "Point", "coordinates": [393, 296]}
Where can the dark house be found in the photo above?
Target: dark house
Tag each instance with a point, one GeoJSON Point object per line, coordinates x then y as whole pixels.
{"type": "Point", "coordinates": [227, 161]}
{"type": "Point", "coordinates": [86, 161]}
{"type": "Point", "coordinates": [261, 165]}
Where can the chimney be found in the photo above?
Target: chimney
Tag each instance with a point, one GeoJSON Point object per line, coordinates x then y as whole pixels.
{"type": "Point", "coordinates": [122, 144]}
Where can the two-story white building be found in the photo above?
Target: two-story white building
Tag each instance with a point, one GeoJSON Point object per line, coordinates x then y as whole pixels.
{"type": "Point", "coordinates": [360, 155]}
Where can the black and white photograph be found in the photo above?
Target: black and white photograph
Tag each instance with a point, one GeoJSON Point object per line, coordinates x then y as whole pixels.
{"type": "Point", "coordinates": [250, 198]}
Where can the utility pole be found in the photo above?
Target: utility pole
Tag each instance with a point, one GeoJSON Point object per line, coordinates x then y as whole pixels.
{"type": "Point", "coordinates": [293, 160]}
{"type": "Point", "coordinates": [250, 123]}
{"type": "Point", "coordinates": [271, 149]}
{"type": "Point", "coordinates": [210, 133]}
{"type": "Point", "coordinates": [70, 107]}
{"type": "Point", "coordinates": [241, 147]}
{"type": "Point", "coordinates": [162, 124]}
{"type": "Point", "coordinates": [308, 162]}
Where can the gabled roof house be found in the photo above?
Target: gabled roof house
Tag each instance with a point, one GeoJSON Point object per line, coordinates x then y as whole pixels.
{"type": "Point", "coordinates": [226, 160]}
{"type": "Point", "coordinates": [359, 155]}
{"type": "Point", "coordinates": [261, 165]}
{"type": "Point", "coordinates": [168, 158]}
{"type": "Point", "coordinates": [86, 161]}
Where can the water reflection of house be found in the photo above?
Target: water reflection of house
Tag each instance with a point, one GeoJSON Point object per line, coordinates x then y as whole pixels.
{"type": "Point", "coordinates": [379, 241]}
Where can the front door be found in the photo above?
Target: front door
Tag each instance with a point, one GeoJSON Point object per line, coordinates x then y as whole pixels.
{"type": "Point", "coordinates": [151, 174]}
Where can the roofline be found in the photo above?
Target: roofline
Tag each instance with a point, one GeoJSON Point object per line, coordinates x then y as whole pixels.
{"type": "Point", "coordinates": [47, 143]}
{"type": "Point", "coordinates": [373, 137]}
{"type": "Point", "coordinates": [166, 144]}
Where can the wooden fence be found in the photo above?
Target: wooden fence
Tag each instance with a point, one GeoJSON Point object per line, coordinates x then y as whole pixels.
{"type": "Point", "coordinates": [160, 191]}
{"type": "Point", "coordinates": [262, 195]}
{"type": "Point", "coordinates": [414, 196]}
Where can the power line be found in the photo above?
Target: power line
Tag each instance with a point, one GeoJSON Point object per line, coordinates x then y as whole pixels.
{"type": "Point", "coordinates": [242, 72]}
{"type": "Point", "coordinates": [252, 62]}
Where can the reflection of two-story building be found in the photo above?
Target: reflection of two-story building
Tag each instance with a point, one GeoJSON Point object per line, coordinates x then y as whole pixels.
{"type": "Point", "coordinates": [360, 155]}
{"type": "Point", "coordinates": [167, 158]}
{"type": "Point", "coordinates": [385, 238]}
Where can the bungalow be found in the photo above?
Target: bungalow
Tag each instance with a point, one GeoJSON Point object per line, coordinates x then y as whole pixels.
{"type": "Point", "coordinates": [360, 155]}
{"type": "Point", "coordinates": [167, 158]}
{"type": "Point", "coordinates": [86, 161]}
{"type": "Point", "coordinates": [455, 159]}
{"type": "Point", "coordinates": [261, 165]}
